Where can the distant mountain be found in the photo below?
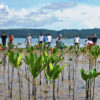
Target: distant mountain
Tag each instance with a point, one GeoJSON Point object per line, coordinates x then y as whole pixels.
{"type": "Point", "coordinates": [67, 33]}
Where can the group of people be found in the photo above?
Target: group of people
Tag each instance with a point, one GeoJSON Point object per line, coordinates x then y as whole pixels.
{"type": "Point", "coordinates": [91, 40]}
{"type": "Point", "coordinates": [47, 38]}
{"type": "Point", "coordinates": [4, 38]}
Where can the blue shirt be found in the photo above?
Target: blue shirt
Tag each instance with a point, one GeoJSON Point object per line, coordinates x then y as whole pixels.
{"type": "Point", "coordinates": [45, 39]}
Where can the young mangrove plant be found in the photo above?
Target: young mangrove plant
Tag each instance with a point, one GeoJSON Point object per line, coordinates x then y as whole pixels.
{"type": "Point", "coordinates": [15, 59]}
{"type": "Point", "coordinates": [52, 73]}
{"type": "Point", "coordinates": [35, 65]}
{"type": "Point", "coordinates": [95, 52]}
{"type": "Point", "coordinates": [86, 76]}
{"type": "Point", "coordinates": [52, 68]}
{"type": "Point", "coordinates": [69, 72]}
{"type": "Point", "coordinates": [84, 51]}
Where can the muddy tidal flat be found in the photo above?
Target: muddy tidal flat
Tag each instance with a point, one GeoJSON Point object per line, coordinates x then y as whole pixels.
{"type": "Point", "coordinates": [69, 86]}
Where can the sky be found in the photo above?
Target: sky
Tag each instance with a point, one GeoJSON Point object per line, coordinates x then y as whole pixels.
{"type": "Point", "coordinates": [49, 14]}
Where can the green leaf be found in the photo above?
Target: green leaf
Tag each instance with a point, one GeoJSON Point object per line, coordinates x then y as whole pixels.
{"type": "Point", "coordinates": [97, 74]}
{"type": "Point", "coordinates": [19, 59]}
{"type": "Point", "coordinates": [42, 59]}
{"type": "Point", "coordinates": [70, 59]}
{"type": "Point", "coordinates": [11, 56]}
{"type": "Point", "coordinates": [15, 59]}
{"type": "Point", "coordinates": [26, 60]}
{"type": "Point", "coordinates": [50, 66]}
{"type": "Point", "coordinates": [83, 75]}
{"type": "Point", "coordinates": [57, 73]}
{"type": "Point", "coordinates": [44, 53]}
{"type": "Point", "coordinates": [0, 62]}
{"type": "Point", "coordinates": [89, 75]}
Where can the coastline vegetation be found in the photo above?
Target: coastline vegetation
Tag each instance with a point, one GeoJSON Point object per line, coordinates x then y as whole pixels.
{"type": "Point", "coordinates": [67, 33]}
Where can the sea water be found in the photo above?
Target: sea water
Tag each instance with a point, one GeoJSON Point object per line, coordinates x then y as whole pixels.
{"type": "Point", "coordinates": [67, 42]}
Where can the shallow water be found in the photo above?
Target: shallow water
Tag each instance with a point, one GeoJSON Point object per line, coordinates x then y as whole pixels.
{"type": "Point", "coordinates": [73, 89]}
{"type": "Point", "coordinates": [67, 42]}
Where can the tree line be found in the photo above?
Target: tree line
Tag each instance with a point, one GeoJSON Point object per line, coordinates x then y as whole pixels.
{"type": "Point", "coordinates": [67, 33]}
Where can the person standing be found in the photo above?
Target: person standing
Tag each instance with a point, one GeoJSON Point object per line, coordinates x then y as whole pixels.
{"type": "Point", "coordinates": [40, 39]}
{"type": "Point", "coordinates": [28, 40]}
{"type": "Point", "coordinates": [77, 41]}
{"type": "Point", "coordinates": [4, 37]}
{"type": "Point", "coordinates": [11, 38]}
{"type": "Point", "coordinates": [45, 38]}
{"type": "Point", "coordinates": [94, 39]}
{"type": "Point", "coordinates": [58, 40]}
{"type": "Point", "coordinates": [49, 38]}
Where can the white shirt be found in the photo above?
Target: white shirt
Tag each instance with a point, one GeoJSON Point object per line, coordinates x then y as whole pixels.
{"type": "Point", "coordinates": [77, 40]}
{"type": "Point", "coordinates": [29, 39]}
{"type": "Point", "coordinates": [40, 38]}
{"type": "Point", "coordinates": [88, 42]}
{"type": "Point", "coordinates": [49, 38]}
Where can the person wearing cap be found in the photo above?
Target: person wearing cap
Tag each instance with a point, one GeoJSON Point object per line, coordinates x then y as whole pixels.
{"type": "Point", "coordinates": [28, 40]}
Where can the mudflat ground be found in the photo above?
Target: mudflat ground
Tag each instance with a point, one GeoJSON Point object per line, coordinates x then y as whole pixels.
{"type": "Point", "coordinates": [68, 89]}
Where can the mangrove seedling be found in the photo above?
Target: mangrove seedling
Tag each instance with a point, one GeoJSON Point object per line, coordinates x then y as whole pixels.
{"type": "Point", "coordinates": [35, 65]}
{"type": "Point", "coordinates": [15, 59]}
{"type": "Point", "coordinates": [86, 76]}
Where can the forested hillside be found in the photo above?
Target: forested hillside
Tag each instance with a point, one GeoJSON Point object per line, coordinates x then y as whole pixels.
{"type": "Point", "coordinates": [67, 33]}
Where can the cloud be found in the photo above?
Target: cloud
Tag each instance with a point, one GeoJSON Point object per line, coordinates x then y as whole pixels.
{"type": "Point", "coordinates": [36, 13]}
{"type": "Point", "coordinates": [25, 18]}
{"type": "Point", "coordinates": [60, 6]}
{"type": "Point", "coordinates": [41, 23]}
{"type": "Point", "coordinates": [58, 16]}
{"type": "Point", "coordinates": [81, 16]}
{"type": "Point", "coordinates": [3, 11]}
{"type": "Point", "coordinates": [47, 21]}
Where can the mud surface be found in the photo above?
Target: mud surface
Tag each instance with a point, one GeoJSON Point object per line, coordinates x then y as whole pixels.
{"type": "Point", "coordinates": [71, 88]}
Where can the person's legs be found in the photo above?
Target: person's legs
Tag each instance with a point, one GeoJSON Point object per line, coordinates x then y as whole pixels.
{"type": "Point", "coordinates": [49, 44]}
{"type": "Point", "coordinates": [76, 45]}
{"type": "Point", "coordinates": [40, 42]}
{"type": "Point", "coordinates": [11, 45]}
{"type": "Point", "coordinates": [27, 45]}
{"type": "Point", "coordinates": [4, 43]}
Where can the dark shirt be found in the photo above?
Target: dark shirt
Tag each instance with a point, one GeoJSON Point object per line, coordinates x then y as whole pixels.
{"type": "Point", "coordinates": [3, 37]}
{"type": "Point", "coordinates": [94, 40]}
